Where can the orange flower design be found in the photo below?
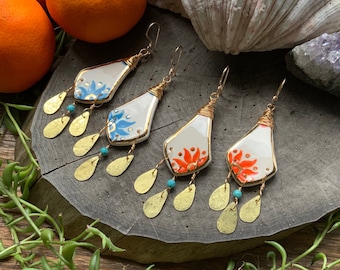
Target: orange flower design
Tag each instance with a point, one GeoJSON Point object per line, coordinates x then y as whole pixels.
{"type": "Point", "coordinates": [243, 169]}
{"type": "Point", "coordinates": [191, 161]}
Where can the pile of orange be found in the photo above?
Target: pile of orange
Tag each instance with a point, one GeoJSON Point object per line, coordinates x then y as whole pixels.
{"type": "Point", "coordinates": [28, 40]}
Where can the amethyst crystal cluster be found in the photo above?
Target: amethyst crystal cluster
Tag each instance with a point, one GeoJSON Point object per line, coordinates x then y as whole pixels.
{"type": "Point", "coordinates": [317, 62]}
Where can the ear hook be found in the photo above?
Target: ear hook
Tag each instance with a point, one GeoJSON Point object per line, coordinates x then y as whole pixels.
{"type": "Point", "coordinates": [152, 44]}
{"type": "Point", "coordinates": [175, 61]}
{"type": "Point", "coordinates": [223, 80]}
{"type": "Point", "coordinates": [275, 98]}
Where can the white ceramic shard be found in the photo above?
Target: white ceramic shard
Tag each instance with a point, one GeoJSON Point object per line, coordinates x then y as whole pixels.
{"type": "Point", "coordinates": [131, 122]}
{"type": "Point", "coordinates": [99, 83]}
{"type": "Point", "coordinates": [188, 150]}
{"type": "Point", "coordinates": [252, 159]}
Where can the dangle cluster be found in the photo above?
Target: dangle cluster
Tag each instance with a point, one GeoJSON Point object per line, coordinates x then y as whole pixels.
{"type": "Point", "coordinates": [251, 161]}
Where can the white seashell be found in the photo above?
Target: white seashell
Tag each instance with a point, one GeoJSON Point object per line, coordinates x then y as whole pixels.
{"type": "Point", "coordinates": [235, 26]}
{"type": "Point", "coordinates": [172, 5]}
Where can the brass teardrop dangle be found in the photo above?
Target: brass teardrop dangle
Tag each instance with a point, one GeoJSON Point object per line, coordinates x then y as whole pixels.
{"type": "Point", "coordinates": [187, 152]}
{"type": "Point", "coordinates": [94, 85]}
{"type": "Point", "coordinates": [251, 161]}
{"type": "Point", "coordinates": [128, 124]}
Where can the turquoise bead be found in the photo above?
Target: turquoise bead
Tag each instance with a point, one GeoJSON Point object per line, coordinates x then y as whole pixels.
{"type": "Point", "coordinates": [71, 108]}
{"type": "Point", "coordinates": [171, 183]}
{"type": "Point", "coordinates": [104, 151]}
{"type": "Point", "coordinates": [237, 193]}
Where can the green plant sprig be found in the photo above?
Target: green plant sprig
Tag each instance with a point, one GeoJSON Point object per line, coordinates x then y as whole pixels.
{"type": "Point", "coordinates": [333, 223]}
{"type": "Point", "coordinates": [12, 125]}
{"type": "Point", "coordinates": [29, 229]}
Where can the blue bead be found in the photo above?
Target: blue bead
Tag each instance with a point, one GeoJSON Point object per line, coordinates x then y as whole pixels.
{"type": "Point", "coordinates": [171, 183]}
{"type": "Point", "coordinates": [237, 193]}
{"type": "Point", "coordinates": [104, 151]}
{"type": "Point", "coordinates": [71, 108]}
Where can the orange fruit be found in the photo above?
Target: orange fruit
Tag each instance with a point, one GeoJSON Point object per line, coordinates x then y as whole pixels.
{"type": "Point", "coordinates": [96, 21]}
{"type": "Point", "coordinates": [27, 44]}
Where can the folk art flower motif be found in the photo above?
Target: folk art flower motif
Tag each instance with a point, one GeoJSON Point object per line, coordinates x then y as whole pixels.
{"type": "Point", "coordinates": [92, 92]}
{"type": "Point", "coordinates": [192, 159]}
{"type": "Point", "coordinates": [117, 126]}
{"type": "Point", "coordinates": [243, 168]}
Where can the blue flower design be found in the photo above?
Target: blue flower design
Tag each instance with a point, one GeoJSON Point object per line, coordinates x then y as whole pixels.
{"type": "Point", "coordinates": [92, 92]}
{"type": "Point", "coordinates": [117, 126]}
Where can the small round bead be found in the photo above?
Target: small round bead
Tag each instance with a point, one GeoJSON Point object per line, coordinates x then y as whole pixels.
{"type": "Point", "coordinates": [171, 183]}
{"type": "Point", "coordinates": [104, 151]}
{"type": "Point", "coordinates": [71, 108]}
{"type": "Point", "coordinates": [237, 193]}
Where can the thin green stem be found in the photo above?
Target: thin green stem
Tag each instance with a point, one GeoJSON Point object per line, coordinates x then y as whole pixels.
{"type": "Point", "coordinates": [47, 216]}
{"type": "Point", "coordinates": [21, 134]}
{"type": "Point", "coordinates": [16, 200]}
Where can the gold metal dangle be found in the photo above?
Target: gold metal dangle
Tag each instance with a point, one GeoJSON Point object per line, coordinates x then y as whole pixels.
{"type": "Point", "coordinates": [94, 85]}
{"type": "Point", "coordinates": [251, 161]}
{"type": "Point", "coordinates": [128, 124]}
{"type": "Point", "coordinates": [186, 152]}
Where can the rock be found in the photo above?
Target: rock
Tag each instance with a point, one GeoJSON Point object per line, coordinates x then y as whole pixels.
{"type": "Point", "coordinates": [317, 62]}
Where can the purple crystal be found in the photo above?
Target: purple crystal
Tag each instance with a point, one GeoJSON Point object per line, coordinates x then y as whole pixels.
{"type": "Point", "coordinates": [317, 62]}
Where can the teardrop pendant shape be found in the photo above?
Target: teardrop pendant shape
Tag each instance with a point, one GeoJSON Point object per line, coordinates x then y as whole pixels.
{"type": "Point", "coordinates": [252, 159]}
{"type": "Point", "coordinates": [220, 197]}
{"type": "Point", "coordinates": [145, 181]}
{"type": "Point", "coordinates": [55, 127]}
{"type": "Point", "coordinates": [227, 221]}
{"type": "Point", "coordinates": [185, 199]}
{"type": "Point", "coordinates": [154, 205]}
{"type": "Point", "coordinates": [53, 104]}
{"type": "Point", "coordinates": [250, 211]}
{"type": "Point", "coordinates": [84, 145]}
{"type": "Point", "coordinates": [131, 122]}
{"type": "Point", "coordinates": [119, 165]}
{"type": "Point", "coordinates": [86, 169]}
{"type": "Point", "coordinates": [79, 124]}
{"type": "Point", "coordinates": [98, 84]}
{"type": "Point", "coordinates": [188, 150]}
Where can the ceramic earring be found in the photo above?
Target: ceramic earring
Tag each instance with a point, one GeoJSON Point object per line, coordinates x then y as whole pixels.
{"type": "Point", "coordinates": [251, 161]}
{"type": "Point", "coordinates": [127, 124]}
{"type": "Point", "coordinates": [186, 152]}
{"type": "Point", "coordinates": [93, 86]}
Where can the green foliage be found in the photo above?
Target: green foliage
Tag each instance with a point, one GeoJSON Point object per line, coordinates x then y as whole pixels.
{"type": "Point", "coordinates": [28, 228]}
{"type": "Point", "coordinates": [333, 223]}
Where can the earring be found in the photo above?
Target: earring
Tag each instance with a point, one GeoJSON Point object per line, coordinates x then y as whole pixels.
{"type": "Point", "coordinates": [186, 152]}
{"type": "Point", "coordinates": [128, 124]}
{"type": "Point", "coordinates": [251, 161]}
{"type": "Point", "coordinates": [93, 85]}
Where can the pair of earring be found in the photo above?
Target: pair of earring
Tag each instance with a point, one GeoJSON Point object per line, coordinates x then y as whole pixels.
{"type": "Point", "coordinates": [127, 124]}
{"type": "Point", "coordinates": [94, 86]}
{"type": "Point", "coordinates": [251, 161]}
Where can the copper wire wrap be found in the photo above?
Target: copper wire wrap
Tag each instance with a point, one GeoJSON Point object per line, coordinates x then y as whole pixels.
{"type": "Point", "coordinates": [158, 89]}
{"type": "Point", "coordinates": [208, 109]}
{"type": "Point", "coordinates": [267, 117]}
{"type": "Point", "coordinates": [133, 61]}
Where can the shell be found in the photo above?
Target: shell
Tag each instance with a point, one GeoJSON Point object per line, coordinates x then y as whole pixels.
{"type": "Point", "coordinates": [235, 26]}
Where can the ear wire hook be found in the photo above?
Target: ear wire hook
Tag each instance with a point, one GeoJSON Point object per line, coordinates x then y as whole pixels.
{"type": "Point", "coordinates": [175, 61]}
{"type": "Point", "coordinates": [152, 44]}
{"type": "Point", "coordinates": [223, 80]}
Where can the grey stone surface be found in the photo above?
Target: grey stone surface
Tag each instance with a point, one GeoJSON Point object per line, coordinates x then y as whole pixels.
{"type": "Point", "coordinates": [317, 62]}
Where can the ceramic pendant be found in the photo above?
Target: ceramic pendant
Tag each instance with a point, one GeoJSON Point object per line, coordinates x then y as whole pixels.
{"type": "Point", "coordinates": [186, 152]}
{"type": "Point", "coordinates": [251, 161]}
{"type": "Point", "coordinates": [132, 121]}
{"type": "Point", "coordinates": [99, 83]}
